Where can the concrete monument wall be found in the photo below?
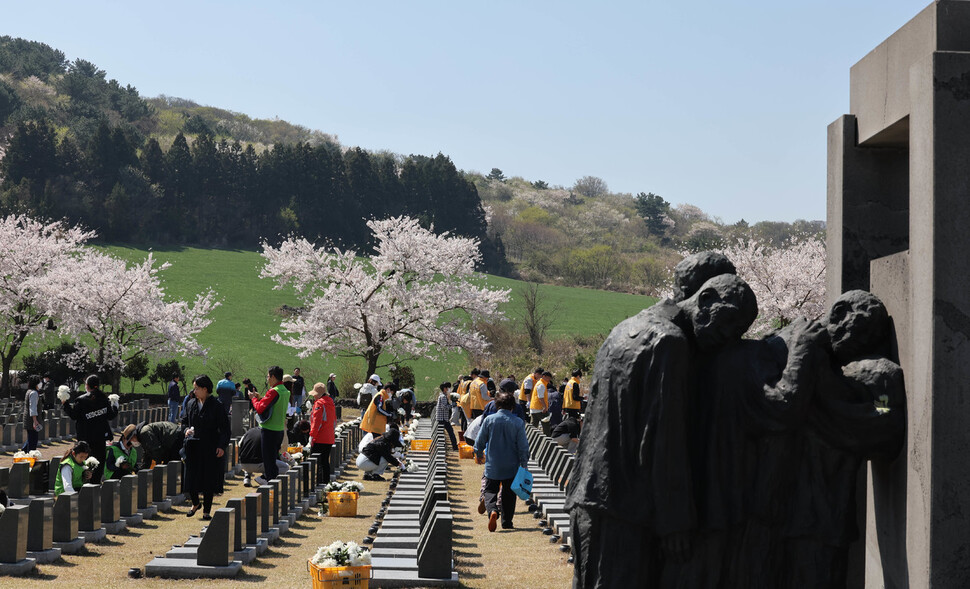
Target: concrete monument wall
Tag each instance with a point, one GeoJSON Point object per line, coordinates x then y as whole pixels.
{"type": "Point", "coordinates": [899, 226]}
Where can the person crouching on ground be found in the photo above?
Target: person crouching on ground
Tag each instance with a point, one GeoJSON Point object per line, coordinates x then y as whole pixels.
{"type": "Point", "coordinates": [251, 458]}
{"type": "Point", "coordinates": [375, 457]}
{"type": "Point", "coordinates": [71, 474]}
{"type": "Point", "coordinates": [503, 437]}
{"type": "Point", "coordinates": [323, 419]}
{"type": "Point", "coordinates": [566, 433]}
{"type": "Point", "coordinates": [121, 456]}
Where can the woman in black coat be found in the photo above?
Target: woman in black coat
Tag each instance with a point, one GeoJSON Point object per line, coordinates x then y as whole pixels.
{"type": "Point", "coordinates": [206, 439]}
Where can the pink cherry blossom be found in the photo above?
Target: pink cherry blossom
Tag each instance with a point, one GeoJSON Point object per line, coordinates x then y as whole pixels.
{"type": "Point", "coordinates": [119, 311]}
{"type": "Point", "coordinates": [789, 281]}
{"type": "Point", "coordinates": [415, 297]}
{"type": "Point", "coordinates": [30, 248]}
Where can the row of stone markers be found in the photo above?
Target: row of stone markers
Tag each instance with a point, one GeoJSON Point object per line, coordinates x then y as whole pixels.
{"type": "Point", "coordinates": [242, 531]}
{"type": "Point", "coordinates": [413, 544]}
{"type": "Point", "coordinates": [550, 465]}
{"type": "Point", "coordinates": [38, 529]}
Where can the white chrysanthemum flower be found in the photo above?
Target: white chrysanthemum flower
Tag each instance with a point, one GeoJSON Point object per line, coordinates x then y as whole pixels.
{"type": "Point", "coordinates": [121, 460]}
{"type": "Point", "coordinates": [63, 393]}
{"type": "Point", "coordinates": [20, 454]}
{"type": "Point", "coordinates": [114, 399]}
{"type": "Point", "coordinates": [35, 454]}
{"type": "Point", "coordinates": [357, 385]}
{"type": "Point", "coordinates": [91, 463]}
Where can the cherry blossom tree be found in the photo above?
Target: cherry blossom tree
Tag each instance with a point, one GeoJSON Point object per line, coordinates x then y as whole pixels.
{"type": "Point", "coordinates": [789, 281]}
{"type": "Point", "coordinates": [119, 311]}
{"type": "Point", "coordinates": [415, 297]}
{"type": "Point", "coordinates": [30, 248]}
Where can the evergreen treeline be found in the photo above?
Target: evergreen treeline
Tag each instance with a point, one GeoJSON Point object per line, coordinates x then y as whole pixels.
{"type": "Point", "coordinates": [82, 148]}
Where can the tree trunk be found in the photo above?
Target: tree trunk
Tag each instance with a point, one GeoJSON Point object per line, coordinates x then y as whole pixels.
{"type": "Point", "coordinates": [5, 380]}
{"type": "Point", "coordinates": [371, 364]}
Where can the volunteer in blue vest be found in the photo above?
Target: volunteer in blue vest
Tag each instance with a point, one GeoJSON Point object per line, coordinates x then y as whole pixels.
{"type": "Point", "coordinates": [276, 399]}
{"type": "Point", "coordinates": [501, 444]}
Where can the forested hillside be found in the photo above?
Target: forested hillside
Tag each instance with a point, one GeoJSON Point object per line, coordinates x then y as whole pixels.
{"type": "Point", "coordinates": [80, 146]}
{"type": "Point", "coordinates": [169, 171]}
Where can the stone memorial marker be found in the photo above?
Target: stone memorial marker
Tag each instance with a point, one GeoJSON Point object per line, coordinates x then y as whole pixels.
{"type": "Point", "coordinates": [145, 488]}
{"type": "Point", "coordinates": [216, 546]}
{"type": "Point", "coordinates": [18, 486]}
{"type": "Point", "coordinates": [40, 531]}
{"type": "Point", "coordinates": [89, 513]}
{"type": "Point", "coordinates": [111, 506]}
{"type": "Point", "coordinates": [173, 488]}
{"type": "Point", "coordinates": [65, 523]}
{"type": "Point", "coordinates": [13, 548]}
{"type": "Point", "coordinates": [253, 513]}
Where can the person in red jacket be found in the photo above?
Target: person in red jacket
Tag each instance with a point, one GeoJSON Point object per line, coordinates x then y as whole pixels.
{"type": "Point", "coordinates": [323, 418]}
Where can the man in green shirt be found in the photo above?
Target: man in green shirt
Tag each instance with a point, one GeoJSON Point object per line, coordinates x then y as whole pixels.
{"type": "Point", "coordinates": [271, 409]}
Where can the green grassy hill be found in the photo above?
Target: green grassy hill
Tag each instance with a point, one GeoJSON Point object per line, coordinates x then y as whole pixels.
{"type": "Point", "coordinates": [239, 337]}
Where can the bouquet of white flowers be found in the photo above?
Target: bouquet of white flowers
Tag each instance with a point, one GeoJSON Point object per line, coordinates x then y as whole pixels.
{"type": "Point", "coordinates": [333, 487]}
{"type": "Point", "coordinates": [121, 460]}
{"type": "Point", "coordinates": [20, 455]}
{"type": "Point", "coordinates": [297, 457]}
{"type": "Point", "coordinates": [91, 463]}
{"type": "Point", "coordinates": [114, 400]}
{"type": "Point", "coordinates": [346, 487]}
{"type": "Point", "coordinates": [341, 554]}
{"type": "Point", "coordinates": [35, 454]}
{"type": "Point", "coordinates": [409, 466]}
{"type": "Point", "coordinates": [401, 411]}
{"type": "Point", "coordinates": [407, 439]}
{"type": "Point", "coordinates": [63, 393]}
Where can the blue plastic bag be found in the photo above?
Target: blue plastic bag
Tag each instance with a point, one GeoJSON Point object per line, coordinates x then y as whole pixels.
{"type": "Point", "coordinates": [522, 484]}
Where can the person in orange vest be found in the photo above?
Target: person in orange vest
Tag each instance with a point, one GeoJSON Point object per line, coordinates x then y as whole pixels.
{"type": "Point", "coordinates": [572, 397]}
{"type": "Point", "coordinates": [376, 416]}
{"type": "Point", "coordinates": [539, 406]}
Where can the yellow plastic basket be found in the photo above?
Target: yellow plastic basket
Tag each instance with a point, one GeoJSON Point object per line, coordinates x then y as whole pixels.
{"type": "Point", "coordinates": [294, 449]}
{"type": "Point", "coordinates": [421, 445]}
{"type": "Point", "coordinates": [30, 461]}
{"type": "Point", "coordinates": [330, 578]}
{"type": "Point", "coordinates": [466, 451]}
{"type": "Point", "coordinates": [342, 504]}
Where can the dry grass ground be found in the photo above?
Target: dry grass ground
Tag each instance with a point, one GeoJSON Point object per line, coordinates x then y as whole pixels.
{"type": "Point", "coordinates": [520, 558]}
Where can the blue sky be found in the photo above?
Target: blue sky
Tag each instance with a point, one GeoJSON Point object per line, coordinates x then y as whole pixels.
{"type": "Point", "coordinates": [720, 105]}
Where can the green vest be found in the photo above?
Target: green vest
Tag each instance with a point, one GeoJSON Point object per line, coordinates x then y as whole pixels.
{"type": "Point", "coordinates": [111, 458]}
{"type": "Point", "coordinates": [77, 476]}
{"type": "Point", "coordinates": [277, 422]}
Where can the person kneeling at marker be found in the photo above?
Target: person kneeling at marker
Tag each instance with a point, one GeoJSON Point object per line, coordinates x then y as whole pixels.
{"type": "Point", "coordinates": [121, 457]}
{"type": "Point", "coordinates": [251, 458]}
{"type": "Point", "coordinates": [376, 456]}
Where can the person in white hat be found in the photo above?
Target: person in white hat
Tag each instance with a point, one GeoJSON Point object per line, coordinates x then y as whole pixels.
{"type": "Point", "coordinates": [332, 386]}
{"type": "Point", "coordinates": [366, 393]}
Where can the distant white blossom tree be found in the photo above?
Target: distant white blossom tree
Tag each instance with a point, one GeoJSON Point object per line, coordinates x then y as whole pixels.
{"type": "Point", "coordinates": [789, 281]}
{"type": "Point", "coordinates": [415, 297]}
{"type": "Point", "coordinates": [30, 248]}
{"type": "Point", "coordinates": [119, 311]}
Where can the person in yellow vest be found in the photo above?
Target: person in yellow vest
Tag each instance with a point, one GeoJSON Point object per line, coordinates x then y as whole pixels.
{"type": "Point", "coordinates": [539, 406]}
{"type": "Point", "coordinates": [375, 418]}
{"type": "Point", "coordinates": [572, 398]}
{"type": "Point", "coordinates": [478, 393]}
{"type": "Point", "coordinates": [463, 403]}
{"type": "Point", "coordinates": [525, 389]}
